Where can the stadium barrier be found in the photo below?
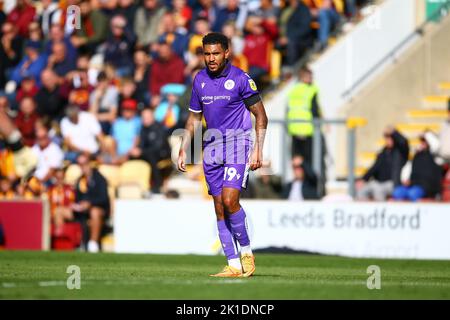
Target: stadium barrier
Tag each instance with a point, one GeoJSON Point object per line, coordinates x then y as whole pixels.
{"type": "Point", "coordinates": [353, 229]}
{"type": "Point", "coordinates": [25, 224]}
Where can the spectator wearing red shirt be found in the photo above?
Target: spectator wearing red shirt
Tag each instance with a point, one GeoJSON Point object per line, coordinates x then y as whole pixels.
{"type": "Point", "coordinates": [182, 13]}
{"type": "Point", "coordinates": [258, 45]}
{"type": "Point", "coordinates": [26, 120]}
{"type": "Point", "coordinates": [21, 16]}
{"type": "Point", "coordinates": [167, 68]}
{"type": "Point", "coordinates": [61, 197]}
{"type": "Point", "coordinates": [28, 88]}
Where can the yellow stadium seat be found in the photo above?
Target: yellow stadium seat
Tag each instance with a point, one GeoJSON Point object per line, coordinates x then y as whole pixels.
{"type": "Point", "coordinates": [135, 172]}
{"type": "Point", "coordinates": [72, 174]}
{"type": "Point", "coordinates": [111, 174]}
{"type": "Point", "coordinates": [129, 191]}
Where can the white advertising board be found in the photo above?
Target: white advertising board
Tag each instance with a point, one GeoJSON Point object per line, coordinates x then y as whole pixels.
{"type": "Point", "coordinates": [377, 230]}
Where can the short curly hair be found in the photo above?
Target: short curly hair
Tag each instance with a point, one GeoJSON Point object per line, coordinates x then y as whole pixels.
{"type": "Point", "coordinates": [216, 38]}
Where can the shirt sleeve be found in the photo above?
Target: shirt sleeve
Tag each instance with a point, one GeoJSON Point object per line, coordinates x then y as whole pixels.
{"type": "Point", "coordinates": [195, 104]}
{"type": "Point", "coordinates": [247, 87]}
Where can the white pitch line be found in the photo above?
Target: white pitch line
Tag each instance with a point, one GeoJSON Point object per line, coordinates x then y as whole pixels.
{"type": "Point", "coordinates": [361, 283]}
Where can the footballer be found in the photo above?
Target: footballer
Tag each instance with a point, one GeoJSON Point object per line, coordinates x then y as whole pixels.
{"type": "Point", "coordinates": [225, 95]}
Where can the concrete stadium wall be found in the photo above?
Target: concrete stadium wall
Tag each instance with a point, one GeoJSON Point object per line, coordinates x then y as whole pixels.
{"type": "Point", "coordinates": [402, 86]}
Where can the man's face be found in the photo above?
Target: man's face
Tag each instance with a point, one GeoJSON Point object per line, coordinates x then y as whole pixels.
{"type": "Point", "coordinates": [83, 162]}
{"type": "Point", "coordinates": [147, 118]}
{"type": "Point", "coordinates": [389, 142]}
{"type": "Point", "coordinates": [150, 4]}
{"type": "Point", "coordinates": [306, 77]}
{"type": "Point", "coordinates": [128, 113]}
{"type": "Point", "coordinates": [164, 51]}
{"type": "Point", "coordinates": [59, 50]}
{"type": "Point", "coordinates": [215, 57]}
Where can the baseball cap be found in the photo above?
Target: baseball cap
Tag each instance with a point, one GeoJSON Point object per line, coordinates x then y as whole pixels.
{"type": "Point", "coordinates": [129, 104]}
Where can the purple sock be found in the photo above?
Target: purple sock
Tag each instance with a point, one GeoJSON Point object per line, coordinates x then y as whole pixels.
{"type": "Point", "coordinates": [238, 224]}
{"type": "Point", "coordinates": [226, 238]}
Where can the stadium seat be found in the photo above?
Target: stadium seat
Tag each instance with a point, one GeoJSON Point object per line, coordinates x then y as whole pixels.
{"type": "Point", "coordinates": [129, 191]}
{"type": "Point", "coordinates": [73, 172]}
{"type": "Point", "coordinates": [111, 174]}
{"type": "Point", "coordinates": [135, 172]}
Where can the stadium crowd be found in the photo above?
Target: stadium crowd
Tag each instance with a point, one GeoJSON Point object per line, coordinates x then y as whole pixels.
{"type": "Point", "coordinates": [114, 87]}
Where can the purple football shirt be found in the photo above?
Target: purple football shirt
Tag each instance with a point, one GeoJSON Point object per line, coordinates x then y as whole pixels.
{"type": "Point", "coordinates": [221, 99]}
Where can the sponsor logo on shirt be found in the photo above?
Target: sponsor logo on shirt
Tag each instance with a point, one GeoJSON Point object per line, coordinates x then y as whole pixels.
{"type": "Point", "coordinates": [211, 99]}
{"type": "Point", "coordinates": [252, 84]}
{"type": "Point", "coordinates": [203, 85]}
{"type": "Point", "coordinates": [229, 84]}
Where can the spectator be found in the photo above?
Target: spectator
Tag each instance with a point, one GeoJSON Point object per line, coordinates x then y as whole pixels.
{"type": "Point", "coordinates": [182, 14]}
{"type": "Point", "coordinates": [119, 47]}
{"type": "Point", "coordinates": [141, 77]}
{"type": "Point", "coordinates": [104, 102]}
{"type": "Point", "coordinates": [94, 26]}
{"type": "Point", "coordinates": [50, 102]}
{"type": "Point", "coordinates": [165, 69]}
{"type": "Point", "coordinates": [146, 22]}
{"type": "Point", "coordinates": [6, 189]}
{"type": "Point", "coordinates": [201, 28]}
{"type": "Point", "coordinates": [21, 16]}
{"type": "Point", "coordinates": [425, 179]}
{"type": "Point", "coordinates": [207, 9]}
{"type": "Point", "coordinates": [61, 197]}
{"type": "Point", "coordinates": [31, 65]}
{"type": "Point", "coordinates": [444, 139]}
{"type": "Point", "coordinates": [153, 147]}
{"type": "Point", "coordinates": [108, 152]}
{"type": "Point", "coordinates": [91, 203]}
{"type": "Point", "coordinates": [169, 34]}
{"type": "Point", "coordinates": [57, 35]}
{"type": "Point", "coordinates": [81, 132]}
{"type": "Point", "coordinates": [78, 89]}
{"type": "Point", "coordinates": [386, 171]}
{"type": "Point", "coordinates": [128, 90]}
{"type": "Point", "coordinates": [325, 11]}
{"type": "Point", "coordinates": [295, 31]}
{"type": "Point", "coordinates": [226, 15]}
{"type": "Point", "coordinates": [49, 154]}
{"type": "Point", "coordinates": [127, 8]}
{"type": "Point", "coordinates": [35, 32]}
{"type": "Point", "coordinates": [26, 120]}
{"type": "Point", "coordinates": [50, 15]}
{"type": "Point", "coordinates": [59, 61]}
{"type": "Point", "coordinates": [258, 43]}
{"type": "Point", "coordinates": [10, 51]}
{"type": "Point", "coordinates": [28, 88]}
{"type": "Point", "coordinates": [168, 111]}
{"type": "Point", "coordinates": [237, 47]}
{"type": "Point", "coordinates": [126, 128]}
{"type": "Point", "coordinates": [267, 185]}
{"type": "Point", "coordinates": [304, 185]}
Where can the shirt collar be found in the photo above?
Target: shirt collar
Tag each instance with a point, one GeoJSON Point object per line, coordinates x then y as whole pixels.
{"type": "Point", "coordinates": [224, 72]}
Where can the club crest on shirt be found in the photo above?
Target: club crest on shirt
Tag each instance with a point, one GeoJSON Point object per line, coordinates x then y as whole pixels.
{"type": "Point", "coordinates": [229, 84]}
{"type": "Point", "coordinates": [252, 84]}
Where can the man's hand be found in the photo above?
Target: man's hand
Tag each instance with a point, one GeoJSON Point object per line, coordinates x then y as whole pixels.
{"type": "Point", "coordinates": [182, 161]}
{"type": "Point", "coordinates": [256, 160]}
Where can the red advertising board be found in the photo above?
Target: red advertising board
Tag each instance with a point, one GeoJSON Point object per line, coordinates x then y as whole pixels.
{"type": "Point", "coordinates": [25, 225]}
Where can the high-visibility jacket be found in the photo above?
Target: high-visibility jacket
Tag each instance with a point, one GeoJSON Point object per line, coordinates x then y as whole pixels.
{"type": "Point", "coordinates": [300, 102]}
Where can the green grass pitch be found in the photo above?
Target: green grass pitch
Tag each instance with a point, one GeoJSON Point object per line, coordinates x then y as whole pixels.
{"type": "Point", "coordinates": [42, 275]}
